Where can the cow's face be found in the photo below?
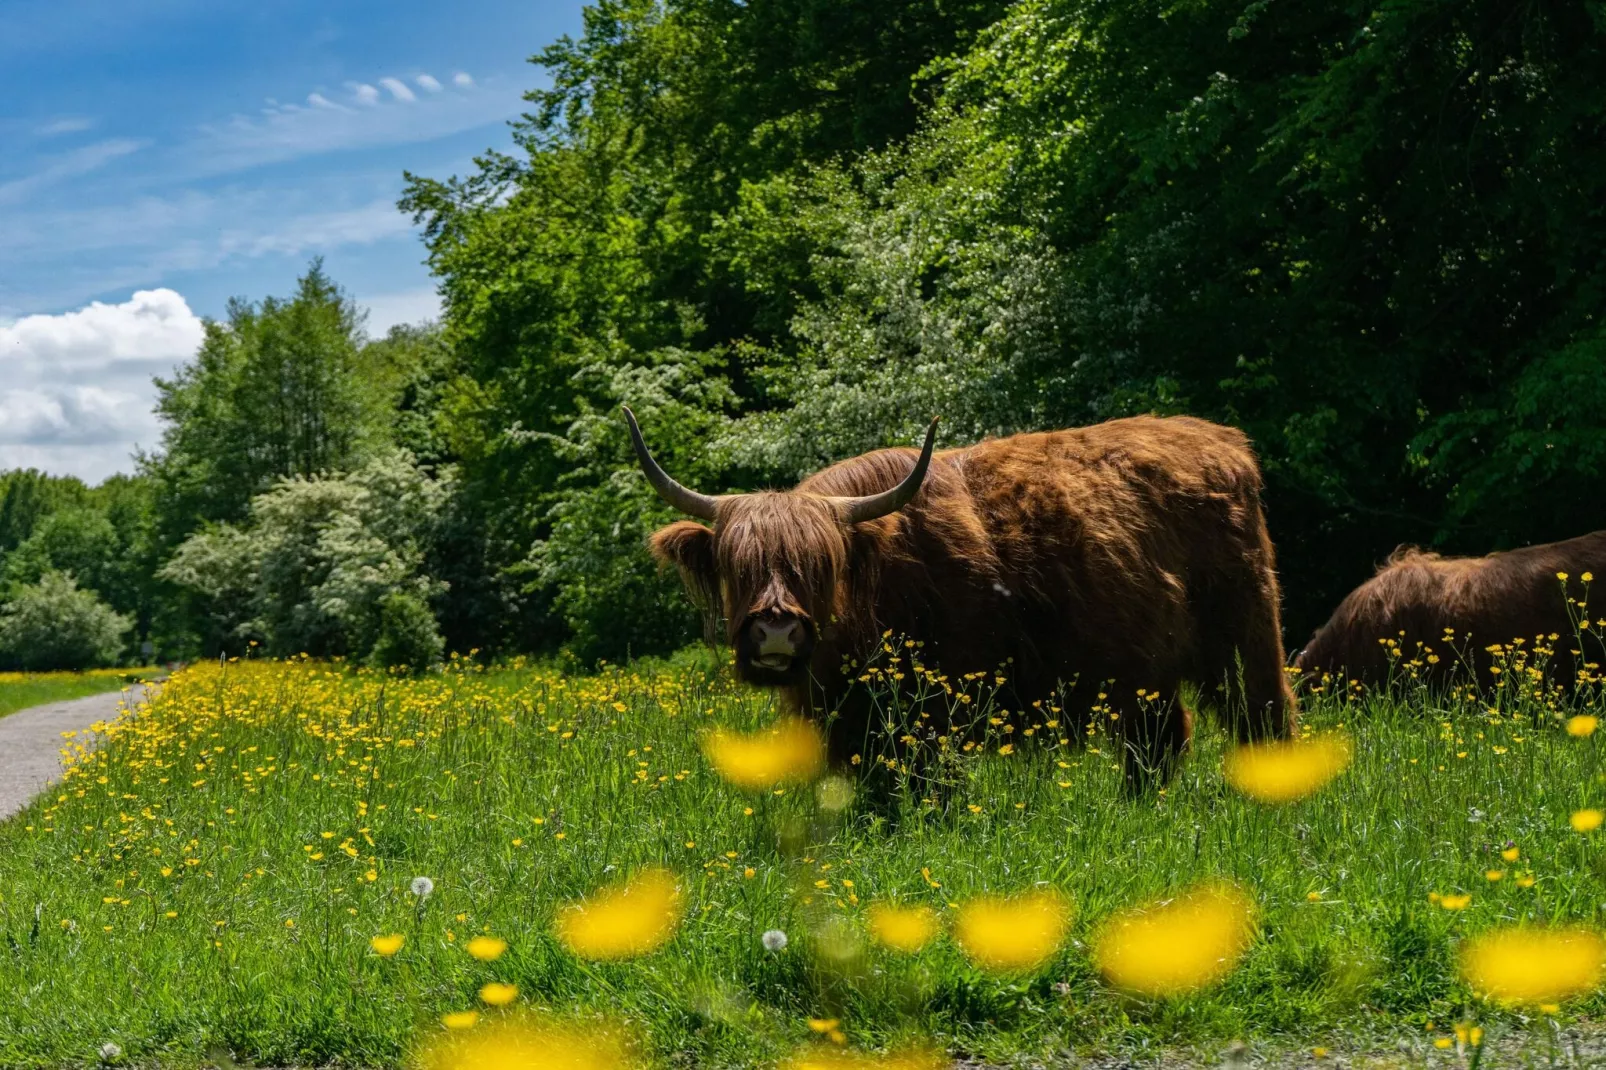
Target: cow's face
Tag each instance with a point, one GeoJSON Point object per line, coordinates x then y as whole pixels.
{"type": "Point", "coordinates": [770, 568]}
{"type": "Point", "coordinates": [772, 562]}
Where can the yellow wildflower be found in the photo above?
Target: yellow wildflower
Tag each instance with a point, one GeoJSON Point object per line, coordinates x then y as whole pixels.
{"type": "Point", "coordinates": [1184, 944]}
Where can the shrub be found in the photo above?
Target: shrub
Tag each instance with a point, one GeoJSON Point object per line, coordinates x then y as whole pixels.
{"type": "Point", "coordinates": [408, 637]}
{"type": "Point", "coordinates": [53, 625]}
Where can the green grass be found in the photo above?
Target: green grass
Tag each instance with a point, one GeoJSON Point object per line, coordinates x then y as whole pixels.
{"type": "Point", "coordinates": [19, 690]}
{"type": "Point", "coordinates": [273, 791]}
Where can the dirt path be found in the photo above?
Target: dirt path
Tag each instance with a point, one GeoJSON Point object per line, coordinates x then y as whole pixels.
{"type": "Point", "coordinates": [31, 743]}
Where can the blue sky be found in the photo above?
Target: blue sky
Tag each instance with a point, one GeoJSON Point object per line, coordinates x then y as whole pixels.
{"type": "Point", "coordinates": [161, 156]}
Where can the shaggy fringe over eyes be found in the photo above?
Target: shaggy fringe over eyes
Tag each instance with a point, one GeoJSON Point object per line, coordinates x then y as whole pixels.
{"type": "Point", "coordinates": [781, 550]}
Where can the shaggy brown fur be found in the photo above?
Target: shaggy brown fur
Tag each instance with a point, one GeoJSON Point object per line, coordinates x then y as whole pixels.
{"type": "Point", "coordinates": [1415, 596]}
{"type": "Point", "coordinates": [1133, 551]}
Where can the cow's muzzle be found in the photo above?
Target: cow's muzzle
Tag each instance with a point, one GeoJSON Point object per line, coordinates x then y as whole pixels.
{"type": "Point", "coordinates": [776, 641]}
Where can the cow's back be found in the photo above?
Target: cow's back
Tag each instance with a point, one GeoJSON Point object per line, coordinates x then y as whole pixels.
{"type": "Point", "coordinates": [1084, 546]}
{"type": "Point", "coordinates": [1416, 598]}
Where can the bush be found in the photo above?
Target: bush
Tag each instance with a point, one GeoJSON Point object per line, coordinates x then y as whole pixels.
{"type": "Point", "coordinates": [53, 625]}
{"type": "Point", "coordinates": [408, 637]}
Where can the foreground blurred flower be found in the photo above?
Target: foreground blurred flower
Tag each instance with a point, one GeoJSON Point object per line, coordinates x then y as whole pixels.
{"type": "Point", "coordinates": [532, 1044]}
{"type": "Point", "coordinates": [789, 752]}
{"type": "Point", "coordinates": [1019, 932]}
{"type": "Point", "coordinates": [626, 920]}
{"type": "Point", "coordinates": [1585, 820]}
{"type": "Point", "coordinates": [386, 946]}
{"type": "Point", "coordinates": [497, 994]}
{"type": "Point", "coordinates": [906, 929]}
{"type": "Point", "coordinates": [486, 948]}
{"type": "Point", "coordinates": [1186, 943]}
{"type": "Point", "coordinates": [1582, 725]}
{"type": "Point", "coordinates": [1286, 770]}
{"type": "Point", "coordinates": [1533, 966]}
{"type": "Point", "coordinates": [822, 1058]}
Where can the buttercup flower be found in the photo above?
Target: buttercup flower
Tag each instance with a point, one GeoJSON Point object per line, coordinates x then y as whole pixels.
{"type": "Point", "coordinates": [1285, 770]}
{"type": "Point", "coordinates": [386, 946]}
{"type": "Point", "coordinates": [1006, 934]}
{"type": "Point", "coordinates": [906, 929]}
{"type": "Point", "coordinates": [1531, 966]}
{"type": "Point", "coordinates": [790, 752]}
{"type": "Point", "coordinates": [1176, 946]}
{"type": "Point", "coordinates": [486, 948]}
{"type": "Point", "coordinates": [624, 921]}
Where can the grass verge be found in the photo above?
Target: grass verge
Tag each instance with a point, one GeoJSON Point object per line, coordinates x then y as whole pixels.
{"type": "Point", "coordinates": [20, 690]}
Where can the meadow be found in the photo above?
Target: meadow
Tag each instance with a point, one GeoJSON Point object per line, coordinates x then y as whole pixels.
{"type": "Point", "coordinates": [19, 690]}
{"type": "Point", "coordinates": [233, 873]}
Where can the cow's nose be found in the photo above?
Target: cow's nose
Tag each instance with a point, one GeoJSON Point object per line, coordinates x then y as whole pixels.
{"type": "Point", "coordinates": [782, 636]}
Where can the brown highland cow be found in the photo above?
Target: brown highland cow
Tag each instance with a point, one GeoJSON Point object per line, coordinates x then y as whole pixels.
{"type": "Point", "coordinates": [1416, 596]}
{"type": "Point", "coordinates": [1129, 555]}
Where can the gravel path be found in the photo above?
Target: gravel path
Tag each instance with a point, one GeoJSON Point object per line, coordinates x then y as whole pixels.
{"type": "Point", "coordinates": [31, 743]}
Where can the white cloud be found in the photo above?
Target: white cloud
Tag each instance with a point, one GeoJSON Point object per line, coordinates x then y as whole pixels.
{"type": "Point", "coordinates": [428, 82]}
{"type": "Point", "coordinates": [245, 142]}
{"type": "Point", "coordinates": [318, 100]}
{"type": "Point", "coordinates": [408, 306]}
{"type": "Point", "coordinates": [462, 80]}
{"type": "Point", "coordinates": [68, 165]}
{"type": "Point", "coordinates": [398, 89]}
{"type": "Point", "coordinates": [68, 124]}
{"type": "Point", "coordinates": [78, 394]}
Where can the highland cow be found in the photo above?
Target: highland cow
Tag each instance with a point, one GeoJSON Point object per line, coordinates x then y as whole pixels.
{"type": "Point", "coordinates": [1130, 557]}
{"type": "Point", "coordinates": [1394, 625]}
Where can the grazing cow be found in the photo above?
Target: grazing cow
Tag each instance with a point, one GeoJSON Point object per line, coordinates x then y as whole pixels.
{"type": "Point", "coordinates": [1415, 597]}
{"type": "Point", "coordinates": [1128, 555]}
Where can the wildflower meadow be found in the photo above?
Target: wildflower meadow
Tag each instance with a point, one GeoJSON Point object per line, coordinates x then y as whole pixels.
{"type": "Point", "coordinates": [300, 863]}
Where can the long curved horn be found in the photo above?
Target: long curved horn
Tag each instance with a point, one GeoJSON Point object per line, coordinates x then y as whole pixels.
{"type": "Point", "coordinates": [687, 501]}
{"type": "Point", "coordinates": [871, 506]}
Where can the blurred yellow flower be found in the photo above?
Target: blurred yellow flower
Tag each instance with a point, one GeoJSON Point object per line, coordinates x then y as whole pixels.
{"type": "Point", "coordinates": [906, 929]}
{"type": "Point", "coordinates": [789, 752]}
{"type": "Point", "coordinates": [1286, 770]}
{"type": "Point", "coordinates": [460, 1019]}
{"type": "Point", "coordinates": [1020, 932]}
{"type": "Point", "coordinates": [1493, 874]}
{"type": "Point", "coordinates": [486, 948]}
{"type": "Point", "coordinates": [499, 995]}
{"type": "Point", "coordinates": [386, 946]}
{"type": "Point", "coordinates": [532, 1044]}
{"type": "Point", "coordinates": [1511, 854]}
{"type": "Point", "coordinates": [1582, 725]}
{"type": "Point", "coordinates": [626, 920]}
{"type": "Point", "coordinates": [1452, 902]}
{"type": "Point", "coordinates": [1532, 966]}
{"type": "Point", "coordinates": [1180, 945]}
{"type": "Point", "coordinates": [1585, 820]}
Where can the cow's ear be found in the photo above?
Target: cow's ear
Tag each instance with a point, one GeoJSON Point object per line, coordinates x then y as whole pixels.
{"type": "Point", "coordinates": [690, 548]}
{"type": "Point", "coordinates": [687, 546]}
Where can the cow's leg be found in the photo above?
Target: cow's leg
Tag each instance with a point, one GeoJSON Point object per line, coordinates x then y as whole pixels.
{"type": "Point", "coordinates": [1153, 734]}
{"type": "Point", "coordinates": [1241, 664]}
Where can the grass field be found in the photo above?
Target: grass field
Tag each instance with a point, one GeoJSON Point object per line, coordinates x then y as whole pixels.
{"type": "Point", "coordinates": [210, 879]}
{"type": "Point", "coordinates": [19, 690]}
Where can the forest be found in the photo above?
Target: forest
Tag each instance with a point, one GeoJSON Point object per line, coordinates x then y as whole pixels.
{"type": "Point", "coordinates": [1373, 236]}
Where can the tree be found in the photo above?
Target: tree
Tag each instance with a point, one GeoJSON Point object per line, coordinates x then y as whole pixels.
{"type": "Point", "coordinates": [273, 393]}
